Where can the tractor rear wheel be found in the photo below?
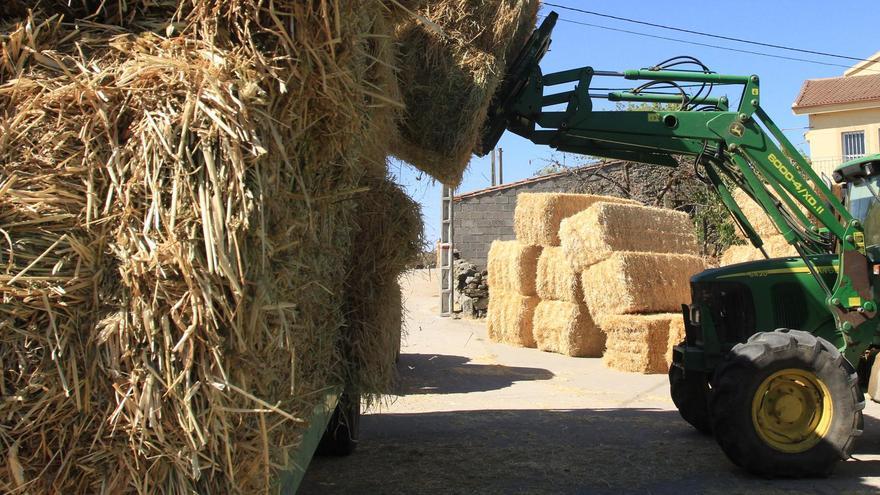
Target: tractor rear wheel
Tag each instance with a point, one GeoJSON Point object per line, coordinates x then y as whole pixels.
{"type": "Point", "coordinates": [786, 403]}
{"type": "Point", "coordinates": [690, 393]}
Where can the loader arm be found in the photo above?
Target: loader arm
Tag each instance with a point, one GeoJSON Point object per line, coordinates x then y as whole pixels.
{"type": "Point", "coordinates": [742, 145]}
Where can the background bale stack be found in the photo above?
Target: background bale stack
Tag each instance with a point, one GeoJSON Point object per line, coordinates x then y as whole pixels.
{"type": "Point", "coordinates": [592, 235]}
{"type": "Point", "coordinates": [512, 271]}
{"type": "Point", "coordinates": [630, 283]}
{"type": "Point", "coordinates": [638, 343]}
{"type": "Point", "coordinates": [676, 336]}
{"type": "Point", "coordinates": [567, 328]}
{"type": "Point", "coordinates": [538, 216]}
{"type": "Point", "coordinates": [453, 57]}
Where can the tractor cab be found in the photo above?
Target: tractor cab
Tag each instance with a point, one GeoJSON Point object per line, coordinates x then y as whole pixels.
{"type": "Point", "coordinates": [860, 179]}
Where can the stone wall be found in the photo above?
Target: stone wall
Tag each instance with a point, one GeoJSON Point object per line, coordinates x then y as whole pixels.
{"type": "Point", "coordinates": [487, 215]}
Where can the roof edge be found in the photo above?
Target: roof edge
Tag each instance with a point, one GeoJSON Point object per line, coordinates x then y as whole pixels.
{"type": "Point", "coordinates": [534, 180]}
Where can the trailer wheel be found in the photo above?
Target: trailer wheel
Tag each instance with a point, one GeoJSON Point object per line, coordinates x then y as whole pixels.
{"type": "Point", "coordinates": [341, 436]}
{"type": "Point", "coordinates": [786, 403]}
{"type": "Point", "coordinates": [690, 393]}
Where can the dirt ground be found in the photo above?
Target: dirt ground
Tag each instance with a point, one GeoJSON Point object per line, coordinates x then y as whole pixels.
{"type": "Point", "coordinates": [473, 416]}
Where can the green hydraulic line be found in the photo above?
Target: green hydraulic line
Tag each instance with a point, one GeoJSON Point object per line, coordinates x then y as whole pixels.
{"type": "Point", "coordinates": [674, 75]}
{"type": "Point", "coordinates": [658, 98]}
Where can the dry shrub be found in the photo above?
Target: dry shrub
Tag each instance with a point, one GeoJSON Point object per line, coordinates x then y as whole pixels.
{"type": "Point", "coordinates": [512, 267]}
{"type": "Point", "coordinates": [776, 247]}
{"type": "Point", "coordinates": [592, 235]}
{"type": "Point", "coordinates": [629, 283]}
{"type": "Point", "coordinates": [510, 318]}
{"type": "Point", "coordinates": [178, 214]}
{"type": "Point", "coordinates": [555, 280]}
{"type": "Point", "coordinates": [567, 328]}
{"type": "Point", "coordinates": [637, 343]}
{"type": "Point", "coordinates": [452, 59]}
{"type": "Point", "coordinates": [538, 216]}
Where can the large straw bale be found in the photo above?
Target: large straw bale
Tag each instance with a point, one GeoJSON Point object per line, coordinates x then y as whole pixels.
{"type": "Point", "coordinates": [512, 267]}
{"type": "Point", "coordinates": [755, 214]}
{"type": "Point", "coordinates": [676, 336]}
{"type": "Point", "coordinates": [776, 247]}
{"type": "Point", "coordinates": [555, 280]}
{"type": "Point", "coordinates": [510, 318]}
{"type": "Point", "coordinates": [637, 343]}
{"type": "Point", "coordinates": [567, 328]}
{"type": "Point", "coordinates": [179, 217]}
{"type": "Point", "coordinates": [592, 235]}
{"type": "Point", "coordinates": [386, 239]}
{"type": "Point", "coordinates": [629, 283]}
{"type": "Point", "coordinates": [537, 216]}
{"type": "Point", "coordinates": [452, 59]}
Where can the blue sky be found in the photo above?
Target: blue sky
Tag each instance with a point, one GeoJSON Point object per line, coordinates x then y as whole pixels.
{"type": "Point", "coordinates": [841, 27]}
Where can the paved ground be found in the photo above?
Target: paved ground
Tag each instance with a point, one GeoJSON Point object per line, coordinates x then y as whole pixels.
{"type": "Point", "coordinates": [477, 417]}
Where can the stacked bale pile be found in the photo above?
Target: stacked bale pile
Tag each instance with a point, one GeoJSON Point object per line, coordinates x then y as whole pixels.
{"type": "Point", "coordinates": [774, 244]}
{"type": "Point", "coordinates": [633, 276]}
{"type": "Point", "coordinates": [200, 237]}
{"type": "Point", "coordinates": [560, 322]}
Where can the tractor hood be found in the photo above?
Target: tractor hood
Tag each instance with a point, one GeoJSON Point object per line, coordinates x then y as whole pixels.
{"type": "Point", "coordinates": [774, 267]}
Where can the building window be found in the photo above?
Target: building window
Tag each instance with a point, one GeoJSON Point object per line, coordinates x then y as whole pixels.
{"type": "Point", "coordinates": [853, 145]}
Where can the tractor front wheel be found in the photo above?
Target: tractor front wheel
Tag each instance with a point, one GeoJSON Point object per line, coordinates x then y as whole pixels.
{"type": "Point", "coordinates": [690, 393]}
{"type": "Point", "coordinates": [786, 403]}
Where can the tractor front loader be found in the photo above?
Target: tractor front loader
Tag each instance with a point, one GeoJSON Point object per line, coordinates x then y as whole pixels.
{"type": "Point", "coordinates": [770, 364]}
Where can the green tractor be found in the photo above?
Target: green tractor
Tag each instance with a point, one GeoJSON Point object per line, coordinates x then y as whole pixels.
{"type": "Point", "coordinates": [778, 351]}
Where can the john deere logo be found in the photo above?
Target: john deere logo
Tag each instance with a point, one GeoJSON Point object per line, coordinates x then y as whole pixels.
{"type": "Point", "coordinates": [737, 129]}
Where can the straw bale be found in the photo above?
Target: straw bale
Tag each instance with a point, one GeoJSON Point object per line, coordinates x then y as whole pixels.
{"type": "Point", "coordinates": [567, 328]}
{"type": "Point", "coordinates": [637, 343]}
{"type": "Point", "coordinates": [179, 215]}
{"type": "Point", "coordinates": [555, 280]}
{"type": "Point", "coordinates": [592, 235]}
{"type": "Point", "coordinates": [452, 59]}
{"type": "Point", "coordinates": [537, 216]}
{"type": "Point", "coordinates": [755, 214]}
{"type": "Point", "coordinates": [629, 283]}
{"type": "Point", "coordinates": [386, 238]}
{"type": "Point", "coordinates": [512, 267]}
{"type": "Point", "coordinates": [776, 247]}
{"type": "Point", "coordinates": [676, 336]}
{"type": "Point", "coordinates": [510, 318]}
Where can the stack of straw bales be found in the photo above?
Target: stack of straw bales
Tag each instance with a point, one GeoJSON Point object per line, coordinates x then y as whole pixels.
{"type": "Point", "coordinates": [774, 244]}
{"type": "Point", "coordinates": [199, 235]}
{"type": "Point", "coordinates": [557, 320]}
{"type": "Point", "coordinates": [635, 263]}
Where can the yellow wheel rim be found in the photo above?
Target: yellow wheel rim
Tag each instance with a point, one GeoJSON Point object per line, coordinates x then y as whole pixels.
{"type": "Point", "coordinates": [792, 410]}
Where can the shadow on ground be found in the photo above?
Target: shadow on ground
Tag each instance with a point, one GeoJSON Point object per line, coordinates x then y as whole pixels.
{"type": "Point", "coordinates": [581, 451]}
{"type": "Point", "coordinates": [443, 374]}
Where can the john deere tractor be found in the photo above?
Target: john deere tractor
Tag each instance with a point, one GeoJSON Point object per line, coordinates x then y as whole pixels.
{"type": "Point", "coordinates": [777, 351]}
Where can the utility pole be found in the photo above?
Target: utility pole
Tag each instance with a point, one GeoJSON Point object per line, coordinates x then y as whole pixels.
{"type": "Point", "coordinates": [500, 166]}
{"type": "Point", "coordinates": [493, 166]}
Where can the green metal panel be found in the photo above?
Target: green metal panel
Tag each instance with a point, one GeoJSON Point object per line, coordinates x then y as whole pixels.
{"type": "Point", "coordinates": [290, 479]}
